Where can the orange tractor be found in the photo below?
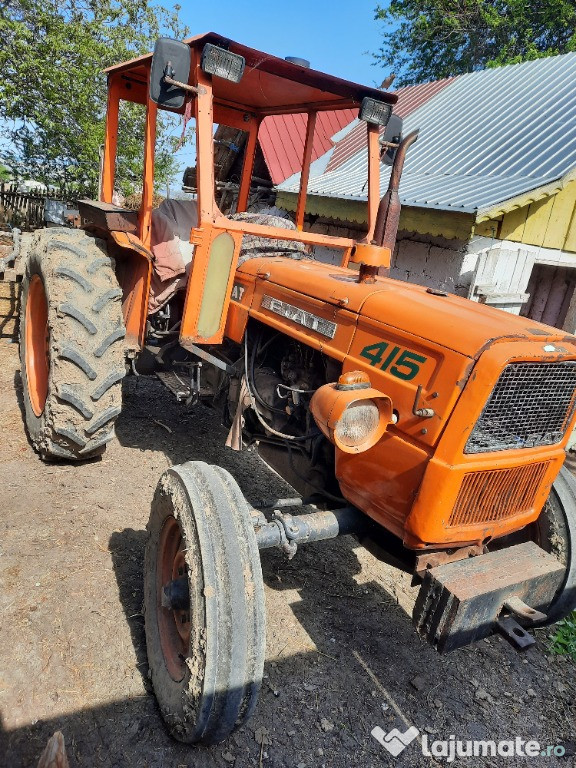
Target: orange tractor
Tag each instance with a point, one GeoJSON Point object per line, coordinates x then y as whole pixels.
{"type": "Point", "coordinates": [431, 427]}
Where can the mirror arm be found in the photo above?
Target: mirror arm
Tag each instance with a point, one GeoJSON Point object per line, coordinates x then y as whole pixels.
{"type": "Point", "coordinates": [184, 86]}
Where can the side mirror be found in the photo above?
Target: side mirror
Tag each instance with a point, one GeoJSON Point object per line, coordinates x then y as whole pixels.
{"type": "Point", "coordinates": [392, 135]}
{"type": "Point", "coordinates": [171, 59]}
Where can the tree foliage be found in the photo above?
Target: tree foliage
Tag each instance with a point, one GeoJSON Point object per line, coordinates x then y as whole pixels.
{"type": "Point", "coordinates": [53, 92]}
{"type": "Point", "coordinates": [439, 38]}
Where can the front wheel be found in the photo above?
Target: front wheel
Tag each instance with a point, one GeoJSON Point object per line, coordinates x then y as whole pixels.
{"type": "Point", "coordinates": [555, 532]}
{"type": "Point", "coordinates": [204, 603]}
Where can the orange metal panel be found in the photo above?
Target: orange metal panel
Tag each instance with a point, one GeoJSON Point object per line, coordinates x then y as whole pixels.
{"type": "Point", "coordinates": [345, 321]}
{"type": "Point", "coordinates": [457, 323]}
{"type": "Point", "coordinates": [248, 166]}
{"type": "Point", "coordinates": [398, 363]}
{"type": "Point", "coordinates": [307, 156]}
{"type": "Point", "coordinates": [428, 523]}
{"type": "Point", "coordinates": [382, 481]}
{"type": "Point", "coordinates": [204, 144]}
{"type": "Point", "coordinates": [133, 269]}
{"type": "Point", "coordinates": [430, 515]}
{"type": "Point", "coordinates": [272, 84]}
{"type": "Point", "coordinates": [203, 237]}
{"type": "Point", "coordinates": [333, 285]}
{"type": "Point", "coordinates": [240, 303]}
{"type": "Point", "coordinates": [145, 214]}
{"type": "Point", "coordinates": [110, 141]}
{"type": "Point", "coordinates": [311, 238]}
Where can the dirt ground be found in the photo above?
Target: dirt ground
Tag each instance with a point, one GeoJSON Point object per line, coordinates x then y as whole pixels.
{"type": "Point", "coordinates": [342, 655]}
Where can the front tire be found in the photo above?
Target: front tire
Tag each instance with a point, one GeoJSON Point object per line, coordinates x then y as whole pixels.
{"type": "Point", "coordinates": [205, 649]}
{"type": "Point", "coordinates": [71, 352]}
{"type": "Point", "coordinates": [555, 532]}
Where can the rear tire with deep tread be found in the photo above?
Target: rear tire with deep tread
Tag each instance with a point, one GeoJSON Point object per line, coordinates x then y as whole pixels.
{"type": "Point", "coordinates": [84, 345]}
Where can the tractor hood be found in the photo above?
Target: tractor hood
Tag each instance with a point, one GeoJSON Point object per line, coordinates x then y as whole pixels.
{"type": "Point", "coordinates": [464, 326]}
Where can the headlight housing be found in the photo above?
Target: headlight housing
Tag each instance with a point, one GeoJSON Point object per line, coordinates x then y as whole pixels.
{"type": "Point", "coordinates": [350, 413]}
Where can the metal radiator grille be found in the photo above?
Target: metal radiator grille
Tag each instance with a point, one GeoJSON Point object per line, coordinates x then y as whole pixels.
{"type": "Point", "coordinates": [497, 493]}
{"type": "Point", "coordinates": [530, 405]}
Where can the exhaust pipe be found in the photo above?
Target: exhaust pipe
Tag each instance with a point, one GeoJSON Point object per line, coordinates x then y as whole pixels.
{"type": "Point", "coordinates": [388, 215]}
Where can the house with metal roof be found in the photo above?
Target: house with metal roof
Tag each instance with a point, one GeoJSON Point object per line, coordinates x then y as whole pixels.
{"type": "Point", "coordinates": [488, 190]}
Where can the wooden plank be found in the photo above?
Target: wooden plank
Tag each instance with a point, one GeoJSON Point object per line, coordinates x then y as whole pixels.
{"type": "Point", "coordinates": [541, 293]}
{"type": "Point", "coordinates": [555, 300]}
{"type": "Point", "coordinates": [537, 221]}
{"type": "Point", "coordinates": [449, 224]}
{"type": "Point", "coordinates": [488, 228]}
{"type": "Point", "coordinates": [560, 217]}
{"type": "Point", "coordinates": [570, 241]}
{"type": "Point", "coordinates": [108, 217]}
{"type": "Point", "coordinates": [522, 271]}
{"type": "Point", "coordinates": [513, 225]}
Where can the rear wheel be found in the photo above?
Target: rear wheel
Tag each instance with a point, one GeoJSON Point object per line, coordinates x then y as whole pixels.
{"type": "Point", "coordinates": [204, 603]}
{"type": "Point", "coordinates": [71, 352]}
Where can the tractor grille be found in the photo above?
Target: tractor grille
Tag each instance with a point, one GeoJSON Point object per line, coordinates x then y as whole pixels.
{"type": "Point", "coordinates": [497, 493]}
{"type": "Point", "coordinates": [531, 404]}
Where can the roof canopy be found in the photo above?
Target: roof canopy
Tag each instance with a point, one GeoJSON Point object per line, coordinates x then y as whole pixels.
{"type": "Point", "coordinates": [270, 85]}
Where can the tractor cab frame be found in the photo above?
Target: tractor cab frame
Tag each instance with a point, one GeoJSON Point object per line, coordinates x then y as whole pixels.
{"type": "Point", "coordinates": [269, 86]}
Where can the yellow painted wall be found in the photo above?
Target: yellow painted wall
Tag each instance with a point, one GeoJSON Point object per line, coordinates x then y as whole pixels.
{"type": "Point", "coordinates": [426, 221]}
{"type": "Point", "coordinates": [550, 222]}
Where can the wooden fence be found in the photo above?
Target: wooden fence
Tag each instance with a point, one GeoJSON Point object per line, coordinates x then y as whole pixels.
{"type": "Point", "coordinates": [25, 210]}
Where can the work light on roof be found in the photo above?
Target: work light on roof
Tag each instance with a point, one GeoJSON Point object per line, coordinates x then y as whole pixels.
{"type": "Point", "coordinates": [373, 111]}
{"type": "Point", "coordinates": [221, 63]}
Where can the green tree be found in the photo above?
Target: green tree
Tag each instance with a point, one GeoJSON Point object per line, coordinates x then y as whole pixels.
{"type": "Point", "coordinates": [438, 38]}
{"type": "Point", "coordinates": [53, 92]}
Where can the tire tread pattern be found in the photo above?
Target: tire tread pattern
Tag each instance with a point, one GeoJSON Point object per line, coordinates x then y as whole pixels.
{"type": "Point", "coordinates": [86, 351]}
{"type": "Point", "coordinates": [220, 692]}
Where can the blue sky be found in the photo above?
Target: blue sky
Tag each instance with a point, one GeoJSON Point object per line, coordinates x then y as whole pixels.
{"type": "Point", "coordinates": [336, 37]}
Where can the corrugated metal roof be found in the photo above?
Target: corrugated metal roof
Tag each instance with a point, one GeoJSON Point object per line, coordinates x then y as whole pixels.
{"type": "Point", "coordinates": [282, 139]}
{"type": "Point", "coordinates": [409, 99]}
{"type": "Point", "coordinates": [485, 138]}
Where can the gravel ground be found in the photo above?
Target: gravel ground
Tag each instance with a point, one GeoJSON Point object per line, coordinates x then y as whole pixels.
{"type": "Point", "coordinates": [342, 656]}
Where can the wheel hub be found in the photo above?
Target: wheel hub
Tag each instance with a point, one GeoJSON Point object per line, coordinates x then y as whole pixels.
{"type": "Point", "coordinates": [176, 594]}
{"type": "Point", "coordinates": [173, 599]}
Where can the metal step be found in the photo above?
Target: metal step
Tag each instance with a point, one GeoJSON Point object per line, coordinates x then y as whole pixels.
{"type": "Point", "coordinates": [181, 386]}
{"type": "Point", "coordinates": [176, 383]}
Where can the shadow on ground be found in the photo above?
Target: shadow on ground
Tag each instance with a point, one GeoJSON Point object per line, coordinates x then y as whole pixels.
{"type": "Point", "coordinates": [343, 657]}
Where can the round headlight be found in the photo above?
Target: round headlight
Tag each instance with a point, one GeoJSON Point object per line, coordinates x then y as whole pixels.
{"type": "Point", "coordinates": [358, 423]}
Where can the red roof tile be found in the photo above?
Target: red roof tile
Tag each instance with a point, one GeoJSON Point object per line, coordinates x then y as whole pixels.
{"type": "Point", "coordinates": [282, 139]}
